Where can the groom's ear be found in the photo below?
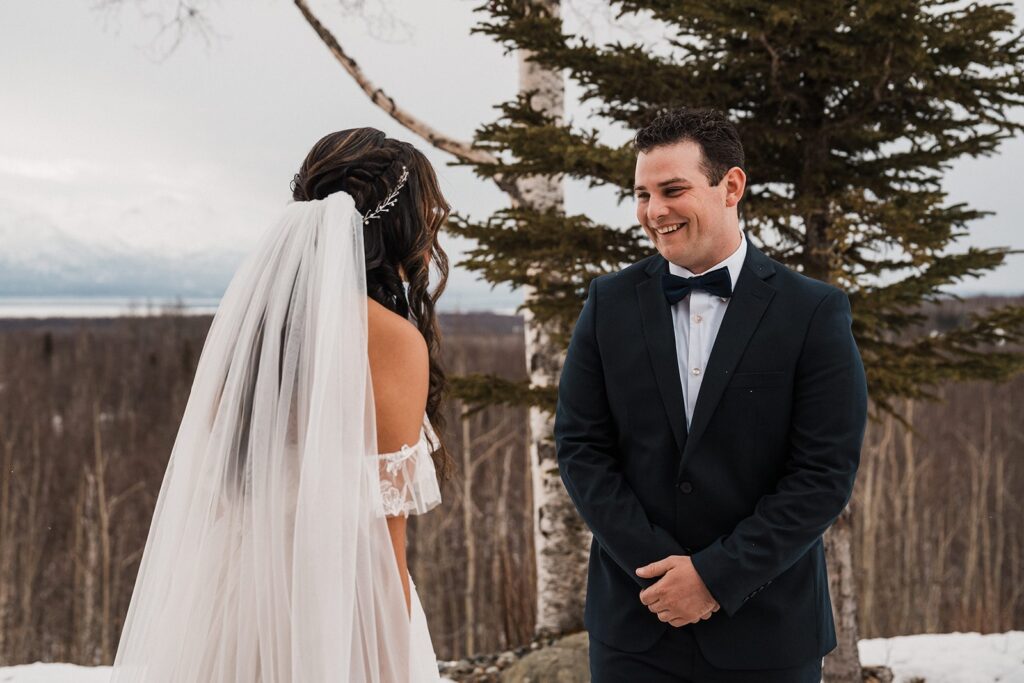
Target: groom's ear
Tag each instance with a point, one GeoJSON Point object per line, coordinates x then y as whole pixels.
{"type": "Point", "coordinates": [735, 181]}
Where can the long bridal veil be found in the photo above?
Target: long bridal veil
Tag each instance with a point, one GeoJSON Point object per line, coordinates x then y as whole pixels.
{"type": "Point", "coordinates": [268, 559]}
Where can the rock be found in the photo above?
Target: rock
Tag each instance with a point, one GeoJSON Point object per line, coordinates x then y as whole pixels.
{"type": "Point", "coordinates": [876, 674]}
{"type": "Point", "coordinates": [506, 659]}
{"type": "Point", "coordinates": [564, 661]}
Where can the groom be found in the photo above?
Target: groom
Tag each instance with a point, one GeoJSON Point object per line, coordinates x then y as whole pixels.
{"type": "Point", "coordinates": [710, 417]}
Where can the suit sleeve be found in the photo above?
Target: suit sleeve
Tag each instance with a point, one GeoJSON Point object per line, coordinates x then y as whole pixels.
{"type": "Point", "coordinates": [585, 440]}
{"type": "Point", "coordinates": [826, 432]}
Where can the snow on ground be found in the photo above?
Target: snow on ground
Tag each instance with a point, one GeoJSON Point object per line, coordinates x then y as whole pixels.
{"type": "Point", "coordinates": [945, 658]}
{"type": "Point", "coordinates": [949, 658]}
{"type": "Point", "coordinates": [54, 673]}
{"type": "Point", "coordinates": [62, 673]}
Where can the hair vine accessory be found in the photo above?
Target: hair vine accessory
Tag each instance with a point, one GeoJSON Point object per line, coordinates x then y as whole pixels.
{"type": "Point", "coordinates": [390, 200]}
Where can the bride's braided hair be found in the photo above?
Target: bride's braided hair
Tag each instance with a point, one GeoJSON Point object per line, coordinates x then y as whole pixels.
{"type": "Point", "coordinates": [368, 165]}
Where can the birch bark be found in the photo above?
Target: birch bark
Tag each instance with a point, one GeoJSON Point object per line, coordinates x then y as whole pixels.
{"type": "Point", "coordinates": [561, 539]}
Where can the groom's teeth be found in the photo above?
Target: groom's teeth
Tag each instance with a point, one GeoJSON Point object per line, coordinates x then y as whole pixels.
{"type": "Point", "coordinates": [664, 230]}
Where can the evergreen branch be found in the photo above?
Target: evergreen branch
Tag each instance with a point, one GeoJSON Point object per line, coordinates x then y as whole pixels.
{"type": "Point", "coordinates": [556, 255]}
{"type": "Point", "coordinates": [538, 145]}
{"type": "Point", "coordinates": [478, 391]}
{"type": "Point", "coordinates": [986, 347]}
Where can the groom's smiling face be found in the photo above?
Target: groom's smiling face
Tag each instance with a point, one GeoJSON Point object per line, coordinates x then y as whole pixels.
{"type": "Point", "coordinates": [692, 223]}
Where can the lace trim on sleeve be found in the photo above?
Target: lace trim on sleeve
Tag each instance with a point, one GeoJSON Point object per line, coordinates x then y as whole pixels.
{"type": "Point", "coordinates": [408, 480]}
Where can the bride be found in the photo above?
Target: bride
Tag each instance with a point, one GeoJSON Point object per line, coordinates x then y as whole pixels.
{"type": "Point", "coordinates": [277, 548]}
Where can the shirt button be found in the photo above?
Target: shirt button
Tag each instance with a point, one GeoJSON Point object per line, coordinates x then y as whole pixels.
{"type": "Point", "coordinates": [697, 318]}
{"type": "Point", "coordinates": [695, 371]}
{"type": "Point", "coordinates": [686, 487]}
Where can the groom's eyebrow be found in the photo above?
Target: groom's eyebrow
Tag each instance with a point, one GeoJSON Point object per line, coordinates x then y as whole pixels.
{"type": "Point", "coordinates": [673, 181]}
{"type": "Point", "coordinates": [663, 183]}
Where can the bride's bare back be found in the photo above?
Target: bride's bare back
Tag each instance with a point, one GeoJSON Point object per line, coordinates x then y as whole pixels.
{"type": "Point", "coordinates": [400, 374]}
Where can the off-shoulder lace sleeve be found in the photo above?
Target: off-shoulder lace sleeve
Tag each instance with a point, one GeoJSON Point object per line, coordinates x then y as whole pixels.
{"type": "Point", "coordinates": [408, 481]}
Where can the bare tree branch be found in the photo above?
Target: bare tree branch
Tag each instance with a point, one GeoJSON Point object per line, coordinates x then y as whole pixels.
{"type": "Point", "coordinates": [173, 24]}
{"type": "Point", "coordinates": [461, 150]}
{"type": "Point", "coordinates": [382, 22]}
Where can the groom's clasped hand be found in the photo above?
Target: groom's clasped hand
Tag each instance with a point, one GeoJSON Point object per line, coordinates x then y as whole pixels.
{"type": "Point", "coordinates": [679, 597]}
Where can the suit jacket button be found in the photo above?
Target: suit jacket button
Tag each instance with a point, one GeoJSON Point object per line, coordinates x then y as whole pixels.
{"type": "Point", "coordinates": [686, 487]}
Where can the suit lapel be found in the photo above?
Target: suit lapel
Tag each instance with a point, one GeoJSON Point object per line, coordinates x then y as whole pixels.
{"type": "Point", "coordinates": [749, 301]}
{"type": "Point", "coordinates": [661, 345]}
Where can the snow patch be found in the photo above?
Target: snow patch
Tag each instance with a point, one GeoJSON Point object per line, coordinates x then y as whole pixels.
{"type": "Point", "coordinates": [937, 658]}
{"type": "Point", "coordinates": [65, 673]}
{"type": "Point", "coordinates": [950, 657]}
{"type": "Point", "coordinates": [54, 673]}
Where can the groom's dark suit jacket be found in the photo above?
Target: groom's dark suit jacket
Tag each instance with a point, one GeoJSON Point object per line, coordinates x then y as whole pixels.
{"type": "Point", "coordinates": [767, 464]}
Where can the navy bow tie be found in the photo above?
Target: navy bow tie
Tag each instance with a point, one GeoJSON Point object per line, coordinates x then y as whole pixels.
{"type": "Point", "coordinates": [717, 283]}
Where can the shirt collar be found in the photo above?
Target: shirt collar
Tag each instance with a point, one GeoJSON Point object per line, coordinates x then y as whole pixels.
{"type": "Point", "coordinates": [734, 263]}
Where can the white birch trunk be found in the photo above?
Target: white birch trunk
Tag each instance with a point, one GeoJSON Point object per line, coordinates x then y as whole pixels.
{"type": "Point", "coordinates": [560, 537]}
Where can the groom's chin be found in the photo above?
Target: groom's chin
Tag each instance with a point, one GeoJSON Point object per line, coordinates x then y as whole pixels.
{"type": "Point", "coordinates": [673, 253]}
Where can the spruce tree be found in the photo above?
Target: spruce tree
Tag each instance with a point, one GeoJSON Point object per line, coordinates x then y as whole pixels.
{"type": "Point", "coordinates": [850, 113]}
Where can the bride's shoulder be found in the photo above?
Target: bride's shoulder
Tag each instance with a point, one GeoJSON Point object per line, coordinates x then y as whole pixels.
{"type": "Point", "coordinates": [400, 374]}
{"type": "Point", "coordinates": [397, 350]}
{"type": "Point", "coordinates": [393, 335]}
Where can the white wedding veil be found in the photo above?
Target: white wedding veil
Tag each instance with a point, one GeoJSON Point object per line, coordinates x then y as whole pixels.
{"type": "Point", "coordinates": [268, 559]}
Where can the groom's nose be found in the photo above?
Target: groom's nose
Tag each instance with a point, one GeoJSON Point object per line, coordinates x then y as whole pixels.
{"type": "Point", "coordinates": [656, 209]}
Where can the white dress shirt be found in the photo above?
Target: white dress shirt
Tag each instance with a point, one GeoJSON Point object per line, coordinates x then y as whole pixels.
{"type": "Point", "coordinates": [696, 320]}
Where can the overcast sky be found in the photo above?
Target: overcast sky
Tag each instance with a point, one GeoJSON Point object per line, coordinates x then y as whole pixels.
{"type": "Point", "coordinates": [196, 151]}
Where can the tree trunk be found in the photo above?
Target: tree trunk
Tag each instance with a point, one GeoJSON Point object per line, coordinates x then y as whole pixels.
{"type": "Point", "coordinates": [843, 664]}
{"type": "Point", "coordinates": [7, 526]}
{"type": "Point", "coordinates": [106, 648]}
{"type": "Point", "coordinates": [560, 537]}
{"type": "Point", "coordinates": [469, 592]}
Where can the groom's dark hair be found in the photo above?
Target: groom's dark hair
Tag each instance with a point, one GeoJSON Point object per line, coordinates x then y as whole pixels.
{"type": "Point", "coordinates": [717, 137]}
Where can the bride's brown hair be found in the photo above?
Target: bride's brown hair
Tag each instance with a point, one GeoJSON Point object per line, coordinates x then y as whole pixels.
{"type": "Point", "coordinates": [367, 164]}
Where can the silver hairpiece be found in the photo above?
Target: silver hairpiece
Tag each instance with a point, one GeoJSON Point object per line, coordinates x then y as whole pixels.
{"type": "Point", "coordinates": [390, 200]}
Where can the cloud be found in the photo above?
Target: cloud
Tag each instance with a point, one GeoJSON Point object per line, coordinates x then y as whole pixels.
{"type": "Point", "coordinates": [51, 170]}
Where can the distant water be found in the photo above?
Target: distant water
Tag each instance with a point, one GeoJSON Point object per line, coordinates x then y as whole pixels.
{"type": "Point", "coordinates": [115, 307]}
{"type": "Point", "coordinates": [101, 307]}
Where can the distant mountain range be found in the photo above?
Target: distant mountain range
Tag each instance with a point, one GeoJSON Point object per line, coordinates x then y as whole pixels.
{"type": "Point", "coordinates": [39, 259]}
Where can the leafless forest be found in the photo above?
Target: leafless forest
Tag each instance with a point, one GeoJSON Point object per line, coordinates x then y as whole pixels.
{"type": "Point", "coordinates": [89, 411]}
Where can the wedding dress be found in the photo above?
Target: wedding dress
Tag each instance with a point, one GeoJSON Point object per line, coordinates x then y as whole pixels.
{"type": "Point", "coordinates": [408, 485]}
{"type": "Point", "coordinates": [268, 558]}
